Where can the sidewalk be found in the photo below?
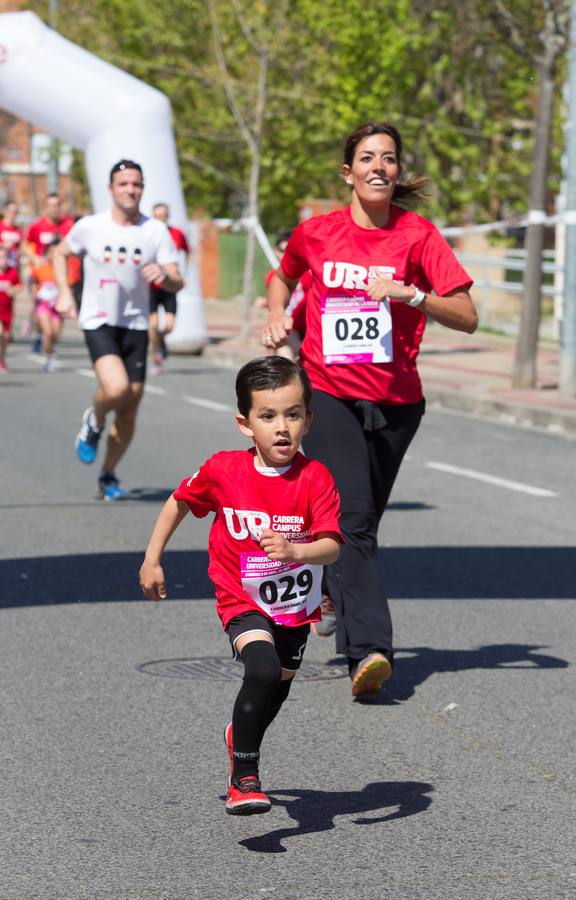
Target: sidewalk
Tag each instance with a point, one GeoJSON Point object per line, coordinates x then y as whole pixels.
{"type": "Point", "coordinates": [468, 373]}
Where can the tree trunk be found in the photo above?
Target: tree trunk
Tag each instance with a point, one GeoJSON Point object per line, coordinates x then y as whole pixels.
{"type": "Point", "coordinates": [253, 191]}
{"type": "Point", "coordinates": [524, 374]}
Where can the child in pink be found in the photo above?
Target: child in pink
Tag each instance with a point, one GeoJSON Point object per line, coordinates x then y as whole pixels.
{"type": "Point", "coordinates": [48, 319]}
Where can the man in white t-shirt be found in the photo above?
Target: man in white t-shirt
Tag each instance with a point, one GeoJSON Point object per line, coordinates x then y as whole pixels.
{"type": "Point", "coordinates": [124, 253]}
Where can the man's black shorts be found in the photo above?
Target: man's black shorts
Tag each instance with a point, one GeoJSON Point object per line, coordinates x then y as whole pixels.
{"type": "Point", "coordinates": [127, 343]}
{"type": "Point", "coordinates": [289, 642]}
{"type": "Point", "coordinates": [160, 297]}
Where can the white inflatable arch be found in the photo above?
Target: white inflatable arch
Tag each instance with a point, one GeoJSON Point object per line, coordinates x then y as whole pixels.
{"type": "Point", "coordinates": [108, 114]}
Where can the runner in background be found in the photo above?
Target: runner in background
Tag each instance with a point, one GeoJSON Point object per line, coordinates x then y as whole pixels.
{"type": "Point", "coordinates": [297, 305]}
{"type": "Point", "coordinates": [10, 234]}
{"type": "Point", "coordinates": [124, 252]}
{"type": "Point", "coordinates": [160, 297]}
{"type": "Point", "coordinates": [9, 283]}
{"type": "Point", "coordinates": [41, 233]}
{"type": "Point", "coordinates": [378, 270]}
{"type": "Point", "coordinates": [45, 294]}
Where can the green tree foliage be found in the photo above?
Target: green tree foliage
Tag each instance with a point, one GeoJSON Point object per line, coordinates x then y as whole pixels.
{"type": "Point", "coordinates": [460, 94]}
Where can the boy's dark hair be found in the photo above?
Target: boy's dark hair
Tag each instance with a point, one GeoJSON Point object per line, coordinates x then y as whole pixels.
{"type": "Point", "coordinates": [268, 373]}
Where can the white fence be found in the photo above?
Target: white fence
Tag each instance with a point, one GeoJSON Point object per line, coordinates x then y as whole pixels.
{"type": "Point", "coordinates": [491, 285]}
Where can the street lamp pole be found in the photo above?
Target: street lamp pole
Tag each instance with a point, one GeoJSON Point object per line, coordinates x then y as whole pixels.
{"type": "Point", "coordinates": [568, 325]}
{"type": "Point", "coordinates": [54, 152]}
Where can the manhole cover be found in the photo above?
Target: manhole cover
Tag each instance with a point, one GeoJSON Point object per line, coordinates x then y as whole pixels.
{"type": "Point", "coordinates": [216, 668]}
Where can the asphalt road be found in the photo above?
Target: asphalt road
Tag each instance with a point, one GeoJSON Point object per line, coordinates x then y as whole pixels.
{"type": "Point", "coordinates": [457, 783]}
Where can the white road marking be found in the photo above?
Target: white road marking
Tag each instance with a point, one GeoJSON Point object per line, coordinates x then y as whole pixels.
{"type": "Point", "coordinates": [152, 389]}
{"type": "Point", "coordinates": [492, 479]}
{"type": "Point", "coordinates": [87, 373]}
{"type": "Point", "coordinates": [209, 404]}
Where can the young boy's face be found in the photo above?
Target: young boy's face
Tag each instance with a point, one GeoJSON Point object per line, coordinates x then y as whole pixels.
{"type": "Point", "coordinates": [277, 422]}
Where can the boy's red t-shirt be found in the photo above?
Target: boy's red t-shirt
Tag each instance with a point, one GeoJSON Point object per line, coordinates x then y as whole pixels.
{"type": "Point", "coordinates": [300, 503]}
{"type": "Point", "coordinates": [342, 256]}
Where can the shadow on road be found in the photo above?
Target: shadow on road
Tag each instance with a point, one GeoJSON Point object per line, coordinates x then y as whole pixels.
{"type": "Point", "coordinates": [421, 573]}
{"type": "Point", "coordinates": [413, 665]}
{"type": "Point", "coordinates": [145, 495]}
{"type": "Point", "coordinates": [315, 811]}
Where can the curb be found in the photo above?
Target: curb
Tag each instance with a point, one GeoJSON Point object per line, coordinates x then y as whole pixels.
{"type": "Point", "coordinates": [505, 411]}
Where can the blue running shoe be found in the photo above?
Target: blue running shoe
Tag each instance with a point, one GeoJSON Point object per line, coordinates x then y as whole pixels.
{"type": "Point", "coordinates": [86, 443]}
{"type": "Point", "coordinates": [110, 488]}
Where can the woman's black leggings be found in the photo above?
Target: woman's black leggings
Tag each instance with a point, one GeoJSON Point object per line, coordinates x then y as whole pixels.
{"type": "Point", "coordinates": [362, 445]}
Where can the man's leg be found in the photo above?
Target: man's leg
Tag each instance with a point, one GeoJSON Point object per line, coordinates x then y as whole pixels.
{"type": "Point", "coordinates": [113, 386]}
{"type": "Point", "coordinates": [121, 432]}
{"type": "Point", "coordinates": [154, 334]}
{"type": "Point", "coordinates": [169, 319]}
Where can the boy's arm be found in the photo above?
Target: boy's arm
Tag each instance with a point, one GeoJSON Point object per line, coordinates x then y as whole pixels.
{"type": "Point", "coordinates": [152, 579]}
{"type": "Point", "coordinates": [322, 551]}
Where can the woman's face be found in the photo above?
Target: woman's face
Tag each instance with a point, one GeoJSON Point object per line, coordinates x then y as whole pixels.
{"type": "Point", "coordinates": [375, 170]}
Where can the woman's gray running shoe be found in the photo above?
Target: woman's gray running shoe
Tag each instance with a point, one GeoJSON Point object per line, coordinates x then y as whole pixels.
{"type": "Point", "coordinates": [327, 625]}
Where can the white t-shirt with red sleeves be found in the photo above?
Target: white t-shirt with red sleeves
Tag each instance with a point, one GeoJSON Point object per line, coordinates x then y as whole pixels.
{"type": "Point", "coordinates": [114, 291]}
{"type": "Point", "coordinates": [299, 503]}
{"type": "Point", "coordinates": [354, 348]}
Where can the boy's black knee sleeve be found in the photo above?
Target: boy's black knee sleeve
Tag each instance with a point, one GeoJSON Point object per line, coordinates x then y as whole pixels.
{"type": "Point", "coordinates": [261, 664]}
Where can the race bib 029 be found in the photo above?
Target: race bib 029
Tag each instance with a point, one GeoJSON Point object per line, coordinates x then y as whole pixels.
{"type": "Point", "coordinates": [287, 592]}
{"type": "Point", "coordinates": [356, 329]}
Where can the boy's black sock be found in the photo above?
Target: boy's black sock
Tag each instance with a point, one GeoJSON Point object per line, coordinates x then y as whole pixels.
{"type": "Point", "coordinates": [278, 698]}
{"type": "Point", "coordinates": [262, 672]}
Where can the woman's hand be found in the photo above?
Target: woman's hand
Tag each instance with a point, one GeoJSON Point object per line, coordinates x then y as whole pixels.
{"type": "Point", "coordinates": [275, 332]}
{"type": "Point", "coordinates": [380, 288]}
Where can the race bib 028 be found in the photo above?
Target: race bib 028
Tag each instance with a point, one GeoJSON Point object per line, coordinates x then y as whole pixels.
{"type": "Point", "coordinates": [356, 329]}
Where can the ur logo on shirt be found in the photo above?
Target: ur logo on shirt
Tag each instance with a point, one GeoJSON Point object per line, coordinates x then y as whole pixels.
{"type": "Point", "coordinates": [243, 522]}
{"type": "Point", "coordinates": [351, 276]}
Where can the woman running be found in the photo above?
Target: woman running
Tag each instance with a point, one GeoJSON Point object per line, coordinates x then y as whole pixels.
{"type": "Point", "coordinates": [378, 271]}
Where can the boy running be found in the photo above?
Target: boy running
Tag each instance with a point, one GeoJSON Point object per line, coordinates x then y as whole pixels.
{"type": "Point", "coordinates": [275, 526]}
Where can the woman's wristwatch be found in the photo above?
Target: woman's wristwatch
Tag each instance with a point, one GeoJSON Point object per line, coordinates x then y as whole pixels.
{"type": "Point", "coordinates": [418, 298]}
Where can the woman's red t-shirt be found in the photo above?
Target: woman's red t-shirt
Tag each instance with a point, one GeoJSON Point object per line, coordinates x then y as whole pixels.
{"type": "Point", "coordinates": [342, 256]}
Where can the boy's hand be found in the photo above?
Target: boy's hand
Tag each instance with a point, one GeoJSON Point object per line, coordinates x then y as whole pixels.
{"type": "Point", "coordinates": [152, 581]}
{"type": "Point", "coordinates": [275, 546]}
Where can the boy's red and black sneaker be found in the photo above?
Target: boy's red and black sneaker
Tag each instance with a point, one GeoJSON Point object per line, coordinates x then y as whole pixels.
{"type": "Point", "coordinates": [246, 797]}
{"type": "Point", "coordinates": [230, 748]}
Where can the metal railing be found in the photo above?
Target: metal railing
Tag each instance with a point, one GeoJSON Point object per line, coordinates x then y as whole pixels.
{"type": "Point", "coordinates": [515, 262]}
